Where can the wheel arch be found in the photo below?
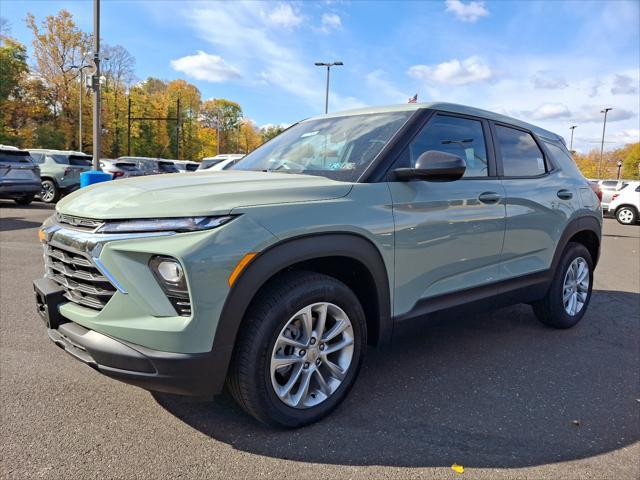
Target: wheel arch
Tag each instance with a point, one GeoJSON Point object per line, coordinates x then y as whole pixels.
{"type": "Point", "coordinates": [584, 230]}
{"type": "Point", "coordinates": [348, 257]}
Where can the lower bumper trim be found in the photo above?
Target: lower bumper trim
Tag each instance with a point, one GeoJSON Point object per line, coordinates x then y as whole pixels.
{"type": "Point", "coordinates": [196, 374]}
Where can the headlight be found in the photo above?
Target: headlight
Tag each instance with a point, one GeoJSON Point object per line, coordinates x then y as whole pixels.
{"type": "Point", "coordinates": [182, 224]}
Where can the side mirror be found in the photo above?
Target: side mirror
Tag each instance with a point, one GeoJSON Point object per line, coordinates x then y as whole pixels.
{"type": "Point", "coordinates": [434, 166]}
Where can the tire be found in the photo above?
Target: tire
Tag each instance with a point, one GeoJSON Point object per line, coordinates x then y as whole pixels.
{"type": "Point", "coordinates": [24, 200]}
{"type": "Point", "coordinates": [626, 215]}
{"type": "Point", "coordinates": [252, 380]}
{"type": "Point", "coordinates": [552, 309]}
{"type": "Point", "coordinates": [50, 192]}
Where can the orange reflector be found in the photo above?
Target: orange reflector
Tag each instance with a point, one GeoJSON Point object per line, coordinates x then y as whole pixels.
{"type": "Point", "coordinates": [41, 235]}
{"type": "Point", "coordinates": [240, 267]}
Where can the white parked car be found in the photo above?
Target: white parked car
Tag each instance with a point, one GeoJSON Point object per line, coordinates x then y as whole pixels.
{"type": "Point", "coordinates": [209, 162]}
{"type": "Point", "coordinates": [625, 204]}
{"type": "Point", "coordinates": [186, 166]}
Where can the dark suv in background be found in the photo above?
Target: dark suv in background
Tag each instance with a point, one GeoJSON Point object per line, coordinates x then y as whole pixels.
{"type": "Point", "coordinates": [19, 176]}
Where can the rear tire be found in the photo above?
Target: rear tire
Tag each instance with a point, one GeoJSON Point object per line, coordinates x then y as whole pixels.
{"type": "Point", "coordinates": [50, 192]}
{"type": "Point", "coordinates": [272, 331]}
{"type": "Point", "coordinates": [626, 215]}
{"type": "Point", "coordinates": [24, 200]}
{"type": "Point", "coordinates": [568, 296]}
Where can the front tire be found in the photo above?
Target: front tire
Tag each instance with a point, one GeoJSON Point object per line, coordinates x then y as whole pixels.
{"type": "Point", "coordinates": [568, 296]}
{"type": "Point", "coordinates": [626, 215]}
{"type": "Point", "coordinates": [299, 350]}
{"type": "Point", "coordinates": [50, 192]}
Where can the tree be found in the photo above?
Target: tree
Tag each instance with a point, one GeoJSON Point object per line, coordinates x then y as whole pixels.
{"type": "Point", "coordinates": [58, 45]}
{"type": "Point", "coordinates": [630, 156]}
{"type": "Point", "coordinates": [118, 70]}
{"type": "Point", "coordinates": [270, 132]}
{"type": "Point", "coordinates": [223, 115]}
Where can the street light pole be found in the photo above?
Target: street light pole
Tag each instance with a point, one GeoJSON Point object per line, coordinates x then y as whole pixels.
{"type": "Point", "coordinates": [328, 65]}
{"type": "Point", "coordinates": [572, 128]}
{"type": "Point", "coordinates": [81, 70]}
{"type": "Point", "coordinates": [95, 84]}
{"type": "Point", "coordinates": [604, 126]}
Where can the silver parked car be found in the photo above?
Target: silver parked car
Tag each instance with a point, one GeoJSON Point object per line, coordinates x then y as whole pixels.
{"type": "Point", "coordinates": [186, 166]}
{"type": "Point", "coordinates": [152, 166]}
{"type": "Point", "coordinates": [120, 168]}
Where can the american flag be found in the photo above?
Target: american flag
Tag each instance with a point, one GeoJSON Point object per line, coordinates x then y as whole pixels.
{"type": "Point", "coordinates": [414, 99]}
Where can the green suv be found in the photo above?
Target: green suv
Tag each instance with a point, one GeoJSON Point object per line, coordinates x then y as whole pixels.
{"type": "Point", "coordinates": [273, 277]}
{"type": "Point", "coordinates": [60, 171]}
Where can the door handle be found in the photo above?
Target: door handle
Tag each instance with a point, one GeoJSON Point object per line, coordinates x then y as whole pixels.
{"type": "Point", "coordinates": [565, 194]}
{"type": "Point", "coordinates": [489, 197]}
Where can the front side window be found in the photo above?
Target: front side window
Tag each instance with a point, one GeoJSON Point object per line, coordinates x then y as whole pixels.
{"type": "Point", "coordinates": [459, 136]}
{"type": "Point", "coordinates": [340, 148]}
{"type": "Point", "coordinates": [521, 156]}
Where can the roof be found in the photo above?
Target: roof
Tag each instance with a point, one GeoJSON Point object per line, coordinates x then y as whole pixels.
{"type": "Point", "coordinates": [445, 107]}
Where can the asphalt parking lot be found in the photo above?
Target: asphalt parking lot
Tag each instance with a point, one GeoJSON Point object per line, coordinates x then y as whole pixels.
{"type": "Point", "coordinates": [499, 394]}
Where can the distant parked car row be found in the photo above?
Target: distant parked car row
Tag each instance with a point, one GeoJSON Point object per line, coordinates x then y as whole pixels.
{"type": "Point", "coordinates": [50, 174]}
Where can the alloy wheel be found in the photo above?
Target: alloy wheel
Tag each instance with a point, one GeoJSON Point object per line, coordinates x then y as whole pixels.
{"type": "Point", "coordinates": [625, 216]}
{"type": "Point", "coordinates": [575, 289]}
{"type": "Point", "coordinates": [312, 355]}
{"type": "Point", "coordinates": [48, 192]}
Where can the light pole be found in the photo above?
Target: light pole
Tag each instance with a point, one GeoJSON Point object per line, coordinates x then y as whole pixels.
{"type": "Point", "coordinates": [604, 126]}
{"type": "Point", "coordinates": [572, 128]}
{"type": "Point", "coordinates": [328, 65]}
{"type": "Point", "coordinates": [95, 85]}
{"type": "Point", "coordinates": [80, 69]}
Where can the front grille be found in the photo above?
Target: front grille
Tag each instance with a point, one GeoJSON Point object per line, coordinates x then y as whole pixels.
{"type": "Point", "coordinates": [79, 222]}
{"type": "Point", "coordinates": [81, 280]}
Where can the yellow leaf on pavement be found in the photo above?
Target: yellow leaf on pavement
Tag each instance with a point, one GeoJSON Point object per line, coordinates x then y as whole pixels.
{"type": "Point", "coordinates": [457, 468]}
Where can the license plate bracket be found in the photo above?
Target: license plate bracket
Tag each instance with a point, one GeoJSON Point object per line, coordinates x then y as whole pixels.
{"type": "Point", "coordinates": [49, 295]}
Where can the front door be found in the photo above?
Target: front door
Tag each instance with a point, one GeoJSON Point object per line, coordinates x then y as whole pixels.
{"type": "Point", "coordinates": [448, 235]}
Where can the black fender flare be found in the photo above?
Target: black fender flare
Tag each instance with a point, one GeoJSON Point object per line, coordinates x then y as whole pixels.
{"type": "Point", "coordinates": [577, 225]}
{"type": "Point", "coordinates": [292, 251]}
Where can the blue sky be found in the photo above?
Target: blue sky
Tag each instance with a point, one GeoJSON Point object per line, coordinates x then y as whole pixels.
{"type": "Point", "coordinates": [552, 63]}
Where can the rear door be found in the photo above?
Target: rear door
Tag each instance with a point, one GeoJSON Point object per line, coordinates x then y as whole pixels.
{"type": "Point", "coordinates": [540, 200]}
{"type": "Point", "coordinates": [448, 235]}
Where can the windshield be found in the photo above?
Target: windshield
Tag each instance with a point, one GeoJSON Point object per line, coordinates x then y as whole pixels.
{"type": "Point", "coordinates": [208, 163]}
{"type": "Point", "coordinates": [340, 148]}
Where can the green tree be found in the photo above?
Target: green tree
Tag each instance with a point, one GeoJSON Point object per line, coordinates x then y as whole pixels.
{"type": "Point", "coordinates": [270, 132]}
{"type": "Point", "coordinates": [225, 116]}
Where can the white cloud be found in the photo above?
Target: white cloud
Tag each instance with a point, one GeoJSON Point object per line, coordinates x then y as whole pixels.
{"type": "Point", "coordinates": [545, 81]}
{"type": "Point", "coordinates": [467, 12]}
{"type": "Point", "coordinates": [280, 63]}
{"type": "Point", "coordinates": [593, 114]}
{"type": "Point", "coordinates": [549, 111]}
{"type": "Point", "coordinates": [204, 66]}
{"type": "Point", "coordinates": [387, 91]}
{"type": "Point", "coordinates": [624, 85]}
{"type": "Point", "coordinates": [283, 16]}
{"type": "Point", "coordinates": [453, 72]}
{"type": "Point", "coordinates": [330, 21]}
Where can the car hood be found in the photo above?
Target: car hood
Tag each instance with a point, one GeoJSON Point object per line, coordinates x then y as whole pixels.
{"type": "Point", "coordinates": [206, 193]}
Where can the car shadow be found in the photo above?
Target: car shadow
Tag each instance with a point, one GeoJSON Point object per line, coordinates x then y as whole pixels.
{"type": "Point", "coordinates": [494, 390]}
{"type": "Point", "coordinates": [16, 223]}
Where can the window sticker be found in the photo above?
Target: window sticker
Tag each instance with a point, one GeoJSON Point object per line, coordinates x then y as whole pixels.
{"type": "Point", "coordinates": [540, 163]}
{"type": "Point", "coordinates": [309, 134]}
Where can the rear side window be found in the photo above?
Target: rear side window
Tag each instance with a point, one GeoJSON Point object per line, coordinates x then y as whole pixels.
{"type": "Point", "coordinates": [190, 167]}
{"type": "Point", "coordinates": [167, 167]}
{"type": "Point", "coordinates": [521, 156]}
{"type": "Point", "coordinates": [463, 137]}
{"type": "Point", "coordinates": [38, 157]}
{"type": "Point", "coordinates": [14, 156]}
{"type": "Point", "coordinates": [610, 184]}
{"type": "Point", "coordinates": [80, 160]}
{"type": "Point", "coordinates": [126, 166]}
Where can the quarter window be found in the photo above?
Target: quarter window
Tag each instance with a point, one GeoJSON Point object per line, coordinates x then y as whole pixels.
{"type": "Point", "coordinates": [521, 156]}
{"type": "Point", "coordinates": [459, 136]}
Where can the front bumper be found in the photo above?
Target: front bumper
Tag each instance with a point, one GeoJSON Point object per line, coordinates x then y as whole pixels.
{"type": "Point", "coordinates": [197, 374]}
